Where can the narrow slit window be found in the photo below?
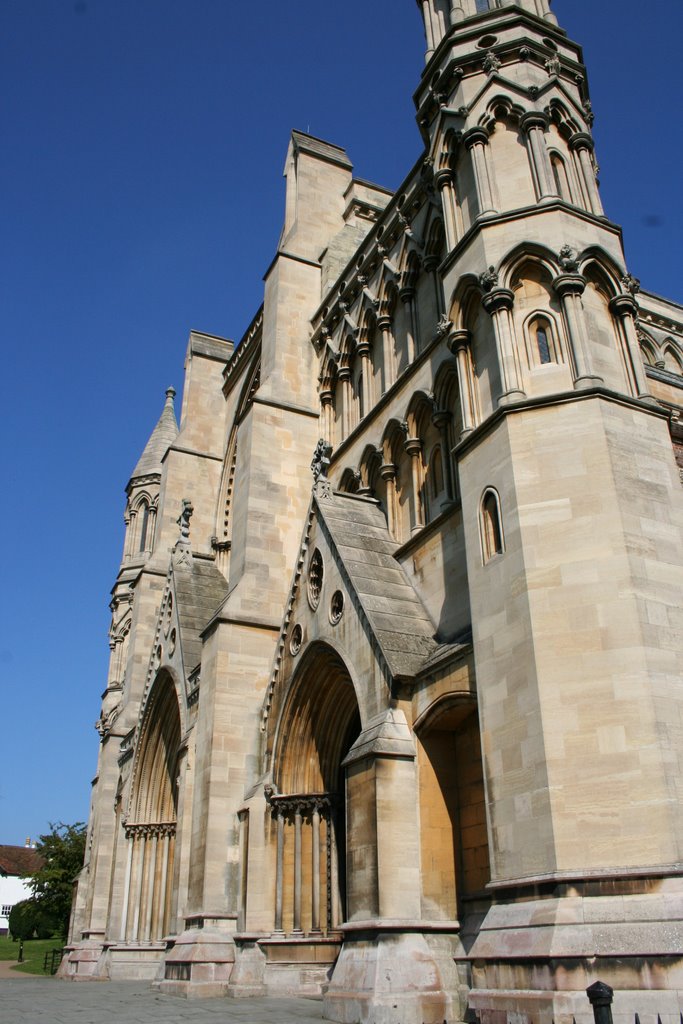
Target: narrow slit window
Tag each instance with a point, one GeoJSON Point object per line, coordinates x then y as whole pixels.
{"type": "Point", "coordinates": [544, 354]}
{"type": "Point", "coordinates": [144, 527]}
{"type": "Point", "coordinates": [491, 528]}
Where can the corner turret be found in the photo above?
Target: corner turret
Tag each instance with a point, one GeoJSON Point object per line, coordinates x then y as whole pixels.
{"type": "Point", "coordinates": [143, 486]}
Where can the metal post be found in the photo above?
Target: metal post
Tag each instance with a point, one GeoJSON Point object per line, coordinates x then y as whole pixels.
{"type": "Point", "coordinates": [600, 996]}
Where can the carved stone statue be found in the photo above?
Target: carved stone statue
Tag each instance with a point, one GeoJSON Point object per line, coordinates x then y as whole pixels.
{"type": "Point", "coordinates": [321, 459]}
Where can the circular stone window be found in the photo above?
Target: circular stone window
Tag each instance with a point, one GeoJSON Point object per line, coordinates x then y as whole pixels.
{"type": "Point", "coordinates": [315, 579]}
{"type": "Point", "coordinates": [336, 607]}
{"type": "Point", "coordinates": [296, 639]}
{"type": "Point", "coordinates": [486, 42]}
{"type": "Point", "coordinates": [171, 643]}
{"type": "Point", "coordinates": [551, 45]}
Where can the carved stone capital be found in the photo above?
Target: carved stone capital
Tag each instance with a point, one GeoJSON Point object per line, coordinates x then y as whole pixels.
{"type": "Point", "coordinates": [406, 294]}
{"type": "Point", "coordinates": [497, 300]}
{"type": "Point", "coordinates": [413, 445]}
{"type": "Point", "coordinates": [326, 396]}
{"type": "Point", "coordinates": [441, 418]}
{"type": "Point", "coordinates": [363, 349]}
{"type": "Point", "coordinates": [443, 178]}
{"type": "Point", "coordinates": [534, 119]}
{"type": "Point", "coordinates": [387, 471]}
{"type": "Point", "coordinates": [581, 140]}
{"type": "Point", "coordinates": [624, 305]}
{"type": "Point", "coordinates": [430, 263]}
{"type": "Point", "coordinates": [460, 339]}
{"type": "Point", "coordinates": [344, 373]}
{"type": "Point", "coordinates": [475, 137]}
{"type": "Point", "coordinates": [384, 323]}
{"type": "Point", "coordinates": [569, 284]}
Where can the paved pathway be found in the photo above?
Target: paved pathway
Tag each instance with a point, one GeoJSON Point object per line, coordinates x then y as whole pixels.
{"type": "Point", "coordinates": [26, 999]}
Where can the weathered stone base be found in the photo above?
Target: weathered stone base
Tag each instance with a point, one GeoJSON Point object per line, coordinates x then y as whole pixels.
{"type": "Point", "coordinates": [81, 962]}
{"type": "Point", "coordinates": [534, 959]}
{"type": "Point", "coordinates": [395, 977]}
{"type": "Point", "coordinates": [199, 964]}
{"type": "Point", "coordinates": [248, 974]}
{"type": "Point", "coordinates": [131, 961]}
{"type": "Point", "coordinates": [299, 967]}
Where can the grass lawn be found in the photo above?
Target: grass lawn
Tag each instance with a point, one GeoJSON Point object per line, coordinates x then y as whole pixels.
{"type": "Point", "coordinates": [34, 953]}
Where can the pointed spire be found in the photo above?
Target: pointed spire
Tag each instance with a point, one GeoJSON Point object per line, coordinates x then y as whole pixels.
{"type": "Point", "coordinates": [163, 435]}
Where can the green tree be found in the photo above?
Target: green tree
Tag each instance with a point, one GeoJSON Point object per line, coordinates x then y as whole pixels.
{"type": "Point", "coordinates": [63, 850]}
{"type": "Point", "coordinates": [27, 920]}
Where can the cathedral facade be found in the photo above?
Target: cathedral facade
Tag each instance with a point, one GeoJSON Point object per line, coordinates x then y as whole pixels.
{"type": "Point", "coordinates": [394, 712]}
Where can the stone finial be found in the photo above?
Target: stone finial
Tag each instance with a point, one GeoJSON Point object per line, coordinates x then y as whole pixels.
{"type": "Point", "coordinates": [170, 395]}
{"type": "Point", "coordinates": [321, 460]}
{"type": "Point", "coordinates": [183, 521]}
{"type": "Point", "coordinates": [489, 279]}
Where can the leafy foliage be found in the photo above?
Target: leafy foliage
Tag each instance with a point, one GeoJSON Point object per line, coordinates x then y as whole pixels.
{"type": "Point", "coordinates": [28, 920]}
{"type": "Point", "coordinates": [62, 850]}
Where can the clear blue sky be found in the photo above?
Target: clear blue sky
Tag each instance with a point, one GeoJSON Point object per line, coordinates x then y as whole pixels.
{"type": "Point", "coordinates": [141, 196]}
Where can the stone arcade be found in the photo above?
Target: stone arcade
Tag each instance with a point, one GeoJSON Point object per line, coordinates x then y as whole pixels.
{"type": "Point", "coordinates": [406, 730]}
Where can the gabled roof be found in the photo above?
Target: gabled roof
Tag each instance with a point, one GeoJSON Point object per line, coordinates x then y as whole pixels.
{"type": "Point", "coordinates": [163, 435]}
{"type": "Point", "coordinates": [356, 529]}
{"type": "Point", "coordinates": [19, 860]}
{"type": "Point", "coordinates": [200, 589]}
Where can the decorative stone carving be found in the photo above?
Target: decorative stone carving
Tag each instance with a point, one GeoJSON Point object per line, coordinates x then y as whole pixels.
{"type": "Point", "coordinates": [524, 53]}
{"type": "Point", "coordinates": [588, 111]}
{"type": "Point", "coordinates": [553, 65]}
{"type": "Point", "coordinates": [630, 284]}
{"type": "Point", "coordinates": [321, 460]}
{"type": "Point", "coordinates": [443, 326]}
{"type": "Point", "coordinates": [489, 279]}
{"type": "Point", "coordinates": [106, 720]}
{"type": "Point", "coordinates": [183, 521]}
{"type": "Point", "coordinates": [569, 259]}
{"type": "Point", "coordinates": [491, 63]}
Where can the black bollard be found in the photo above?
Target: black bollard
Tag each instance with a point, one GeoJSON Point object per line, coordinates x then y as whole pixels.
{"type": "Point", "coordinates": [600, 996]}
{"type": "Point", "coordinates": [21, 951]}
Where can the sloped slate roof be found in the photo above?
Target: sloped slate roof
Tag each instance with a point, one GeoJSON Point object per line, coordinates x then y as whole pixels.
{"type": "Point", "coordinates": [163, 435]}
{"type": "Point", "coordinates": [19, 860]}
{"type": "Point", "coordinates": [199, 591]}
{"type": "Point", "coordinates": [358, 531]}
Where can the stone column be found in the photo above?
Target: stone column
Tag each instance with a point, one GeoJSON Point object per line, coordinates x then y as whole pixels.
{"type": "Point", "coordinates": [429, 29]}
{"type": "Point", "coordinates": [444, 182]}
{"type": "Point", "coordinates": [498, 304]}
{"type": "Point", "coordinates": [582, 144]}
{"type": "Point", "coordinates": [152, 840]}
{"type": "Point", "coordinates": [534, 125]}
{"type": "Point", "coordinates": [326, 400]}
{"type": "Point", "coordinates": [279, 887]}
{"type": "Point", "coordinates": [388, 473]}
{"type": "Point", "coordinates": [441, 419]}
{"type": "Point", "coordinates": [363, 351]}
{"type": "Point", "coordinates": [457, 11]}
{"type": "Point", "coordinates": [477, 140]}
{"type": "Point", "coordinates": [297, 867]}
{"type": "Point", "coordinates": [161, 916]}
{"type": "Point", "coordinates": [126, 885]}
{"type": "Point", "coordinates": [243, 817]}
{"type": "Point", "coordinates": [407, 297]}
{"type": "Point", "coordinates": [344, 378]}
{"type": "Point", "coordinates": [140, 844]}
{"type": "Point", "coordinates": [459, 344]}
{"type": "Point", "coordinates": [413, 445]}
{"type": "Point", "coordinates": [570, 288]}
{"type": "Point", "coordinates": [389, 374]}
{"type": "Point", "coordinates": [625, 310]}
{"type": "Point", "coordinates": [151, 528]}
{"type": "Point", "coordinates": [315, 867]}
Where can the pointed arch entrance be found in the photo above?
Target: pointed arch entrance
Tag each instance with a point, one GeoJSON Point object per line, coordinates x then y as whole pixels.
{"type": "Point", "coordinates": [319, 723]}
{"type": "Point", "coordinates": [151, 825]}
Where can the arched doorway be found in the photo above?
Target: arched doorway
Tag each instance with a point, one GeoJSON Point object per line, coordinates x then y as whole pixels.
{"type": "Point", "coordinates": [151, 825]}
{"type": "Point", "coordinates": [319, 724]}
{"type": "Point", "coordinates": [453, 830]}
